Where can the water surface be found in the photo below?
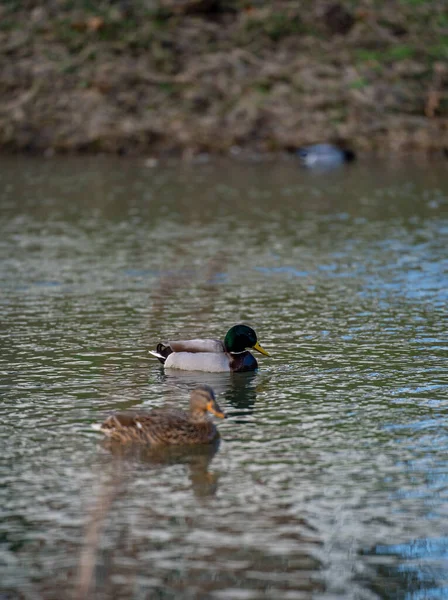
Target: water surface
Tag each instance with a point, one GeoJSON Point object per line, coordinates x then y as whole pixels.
{"type": "Point", "coordinates": [330, 481]}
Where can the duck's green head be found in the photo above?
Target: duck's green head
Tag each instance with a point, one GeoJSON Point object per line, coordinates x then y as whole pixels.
{"type": "Point", "coordinates": [240, 338]}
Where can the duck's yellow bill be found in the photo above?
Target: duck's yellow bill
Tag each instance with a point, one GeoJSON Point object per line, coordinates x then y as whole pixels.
{"type": "Point", "coordinates": [260, 349]}
{"type": "Point", "coordinates": [215, 410]}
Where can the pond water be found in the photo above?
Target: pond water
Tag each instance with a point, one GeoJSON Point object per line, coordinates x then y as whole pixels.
{"type": "Point", "coordinates": [331, 478]}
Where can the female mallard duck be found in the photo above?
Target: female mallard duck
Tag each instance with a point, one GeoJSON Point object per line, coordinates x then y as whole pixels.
{"type": "Point", "coordinates": [167, 426]}
{"type": "Point", "coordinates": [212, 356]}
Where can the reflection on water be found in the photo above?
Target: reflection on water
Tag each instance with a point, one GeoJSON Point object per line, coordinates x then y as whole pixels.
{"type": "Point", "coordinates": [196, 459]}
{"type": "Point", "coordinates": [330, 479]}
{"type": "Point", "coordinates": [419, 565]}
{"type": "Point", "coordinates": [238, 390]}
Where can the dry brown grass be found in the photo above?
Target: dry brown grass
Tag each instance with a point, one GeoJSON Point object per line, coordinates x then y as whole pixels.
{"type": "Point", "coordinates": [180, 76]}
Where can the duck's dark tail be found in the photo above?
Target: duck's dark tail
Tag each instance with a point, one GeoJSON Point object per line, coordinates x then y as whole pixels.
{"type": "Point", "coordinates": [162, 352]}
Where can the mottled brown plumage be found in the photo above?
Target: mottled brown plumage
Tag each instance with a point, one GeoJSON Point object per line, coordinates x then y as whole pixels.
{"type": "Point", "coordinates": [167, 426]}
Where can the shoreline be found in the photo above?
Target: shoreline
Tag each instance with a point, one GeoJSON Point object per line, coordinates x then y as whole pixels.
{"type": "Point", "coordinates": [123, 79]}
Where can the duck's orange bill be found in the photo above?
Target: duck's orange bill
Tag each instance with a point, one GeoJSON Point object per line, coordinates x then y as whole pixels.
{"type": "Point", "coordinates": [215, 410]}
{"type": "Point", "coordinates": [260, 349]}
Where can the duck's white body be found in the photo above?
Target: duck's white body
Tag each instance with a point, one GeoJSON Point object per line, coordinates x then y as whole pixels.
{"type": "Point", "coordinates": [212, 356]}
{"type": "Point", "coordinates": [211, 362]}
{"type": "Point", "coordinates": [197, 355]}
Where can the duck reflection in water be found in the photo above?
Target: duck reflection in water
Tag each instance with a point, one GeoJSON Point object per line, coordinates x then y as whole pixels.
{"type": "Point", "coordinates": [238, 390]}
{"type": "Point", "coordinates": [196, 459]}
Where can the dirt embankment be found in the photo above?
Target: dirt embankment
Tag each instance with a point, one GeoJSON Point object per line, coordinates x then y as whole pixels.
{"type": "Point", "coordinates": [190, 76]}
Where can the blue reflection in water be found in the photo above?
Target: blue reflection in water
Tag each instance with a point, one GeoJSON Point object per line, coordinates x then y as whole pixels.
{"type": "Point", "coordinates": [421, 569]}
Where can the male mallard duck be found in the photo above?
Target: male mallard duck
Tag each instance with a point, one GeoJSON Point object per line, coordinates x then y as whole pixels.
{"type": "Point", "coordinates": [210, 355]}
{"type": "Point", "coordinates": [167, 426]}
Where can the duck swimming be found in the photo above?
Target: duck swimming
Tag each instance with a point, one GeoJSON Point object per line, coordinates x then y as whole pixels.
{"type": "Point", "coordinates": [167, 426]}
{"type": "Point", "coordinates": [324, 156]}
{"type": "Point", "coordinates": [211, 355]}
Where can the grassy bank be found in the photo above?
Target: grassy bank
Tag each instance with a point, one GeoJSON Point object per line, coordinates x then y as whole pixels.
{"type": "Point", "coordinates": [191, 76]}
